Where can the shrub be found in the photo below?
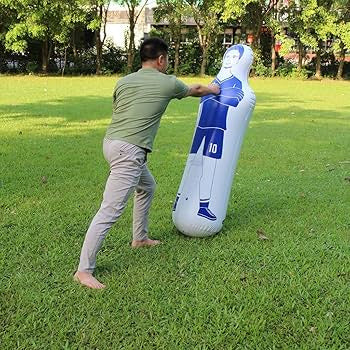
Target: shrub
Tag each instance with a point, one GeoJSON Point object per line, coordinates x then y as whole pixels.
{"type": "Point", "coordinates": [114, 59]}
{"type": "Point", "coordinates": [259, 67]}
{"type": "Point", "coordinates": [32, 67]}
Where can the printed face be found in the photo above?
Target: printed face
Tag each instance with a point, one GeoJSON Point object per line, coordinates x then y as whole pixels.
{"type": "Point", "coordinates": [231, 59]}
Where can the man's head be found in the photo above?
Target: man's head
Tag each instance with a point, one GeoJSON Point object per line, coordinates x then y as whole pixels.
{"type": "Point", "coordinates": [232, 56]}
{"type": "Point", "coordinates": [154, 53]}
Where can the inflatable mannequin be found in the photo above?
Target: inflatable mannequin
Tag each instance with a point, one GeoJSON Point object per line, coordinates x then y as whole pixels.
{"type": "Point", "coordinates": [202, 199]}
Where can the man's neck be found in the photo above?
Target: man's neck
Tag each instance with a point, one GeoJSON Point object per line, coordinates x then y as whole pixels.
{"type": "Point", "coordinates": [149, 65]}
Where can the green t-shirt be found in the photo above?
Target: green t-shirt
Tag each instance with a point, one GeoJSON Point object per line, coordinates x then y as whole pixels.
{"type": "Point", "coordinates": [139, 101]}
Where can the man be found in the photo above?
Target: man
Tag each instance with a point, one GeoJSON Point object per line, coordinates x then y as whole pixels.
{"type": "Point", "coordinates": [212, 125]}
{"type": "Point", "coordinates": [139, 101]}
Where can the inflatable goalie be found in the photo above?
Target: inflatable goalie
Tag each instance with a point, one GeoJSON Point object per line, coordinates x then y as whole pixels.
{"type": "Point", "coordinates": [202, 199]}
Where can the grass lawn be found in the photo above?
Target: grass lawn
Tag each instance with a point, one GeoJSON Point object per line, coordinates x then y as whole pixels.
{"type": "Point", "coordinates": [230, 291]}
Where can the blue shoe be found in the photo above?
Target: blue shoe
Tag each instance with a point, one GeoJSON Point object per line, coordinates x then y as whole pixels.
{"type": "Point", "coordinates": [206, 213]}
{"type": "Point", "coordinates": [175, 203]}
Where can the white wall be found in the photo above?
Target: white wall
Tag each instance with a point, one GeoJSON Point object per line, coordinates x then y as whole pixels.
{"type": "Point", "coordinates": [116, 32]}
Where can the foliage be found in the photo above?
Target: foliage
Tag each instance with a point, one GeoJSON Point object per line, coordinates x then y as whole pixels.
{"type": "Point", "coordinates": [289, 70]}
{"type": "Point", "coordinates": [134, 10]}
{"type": "Point", "coordinates": [208, 22]}
{"type": "Point", "coordinates": [40, 20]}
{"type": "Point", "coordinates": [113, 59]}
{"type": "Point", "coordinates": [259, 67]}
{"type": "Point", "coordinates": [190, 53]}
{"type": "Point", "coordinates": [317, 20]}
{"type": "Point", "coordinates": [32, 67]}
{"type": "Point", "coordinates": [173, 12]}
{"type": "Point", "coordinates": [232, 9]}
{"type": "Point", "coordinates": [36, 35]}
{"type": "Point", "coordinates": [287, 43]}
{"type": "Point", "coordinates": [216, 53]}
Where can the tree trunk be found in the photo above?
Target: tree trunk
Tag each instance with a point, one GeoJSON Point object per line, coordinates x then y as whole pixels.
{"type": "Point", "coordinates": [98, 52]}
{"type": "Point", "coordinates": [203, 43]}
{"type": "Point", "coordinates": [300, 56]}
{"type": "Point", "coordinates": [273, 55]}
{"type": "Point", "coordinates": [131, 48]}
{"type": "Point", "coordinates": [256, 36]}
{"type": "Point", "coordinates": [101, 13]}
{"type": "Point", "coordinates": [65, 60]}
{"type": "Point", "coordinates": [341, 61]}
{"type": "Point", "coordinates": [74, 46]}
{"type": "Point", "coordinates": [204, 60]}
{"type": "Point", "coordinates": [318, 73]}
{"type": "Point", "coordinates": [45, 56]}
{"type": "Point", "coordinates": [177, 55]}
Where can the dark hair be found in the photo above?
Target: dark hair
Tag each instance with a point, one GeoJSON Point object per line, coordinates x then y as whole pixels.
{"type": "Point", "coordinates": [152, 48]}
{"type": "Point", "coordinates": [238, 47]}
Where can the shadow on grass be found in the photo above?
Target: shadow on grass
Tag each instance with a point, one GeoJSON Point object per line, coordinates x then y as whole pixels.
{"type": "Point", "coordinates": [75, 108]}
{"type": "Point", "coordinates": [89, 108]}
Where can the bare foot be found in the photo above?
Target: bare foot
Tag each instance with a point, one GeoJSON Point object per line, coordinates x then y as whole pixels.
{"type": "Point", "coordinates": [145, 243]}
{"type": "Point", "coordinates": [88, 280]}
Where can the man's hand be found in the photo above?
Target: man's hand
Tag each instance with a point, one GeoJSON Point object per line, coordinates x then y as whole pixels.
{"type": "Point", "coordinates": [199, 90]}
{"type": "Point", "coordinates": [215, 88]}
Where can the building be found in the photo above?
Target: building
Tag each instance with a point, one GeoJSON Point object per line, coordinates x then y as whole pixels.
{"type": "Point", "coordinates": [117, 25]}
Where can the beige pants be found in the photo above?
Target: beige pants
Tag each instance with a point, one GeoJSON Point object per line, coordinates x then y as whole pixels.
{"type": "Point", "coordinates": [128, 174]}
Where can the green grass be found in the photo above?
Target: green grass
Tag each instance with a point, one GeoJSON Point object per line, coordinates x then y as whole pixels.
{"type": "Point", "coordinates": [230, 291]}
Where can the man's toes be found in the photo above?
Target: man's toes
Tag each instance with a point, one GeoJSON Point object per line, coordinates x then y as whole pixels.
{"type": "Point", "coordinates": [145, 243]}
{"type": "Point", "coordinates": [89, 281]}
{"type": "Point", "coordinates": [100, 285]}
{"type": "Point", "coordinates": [95, 284]}
{"type": "Point", "coordinates": [91, 284]}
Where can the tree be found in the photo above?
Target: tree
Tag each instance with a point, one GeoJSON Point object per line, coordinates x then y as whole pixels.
{"type": "Point", "coordinates": [40, 20]}
{"type": "Point", "coordinates": [207, 17]}
{"type": "Point", "coordinates": [341, 9]}
{"type": "Point", "coordinates": [74, 15]}
{"type": "Point", "coordinates": [173, 11]}
{"type": "Point", "coordinates": [319, 23]}
{"type": "Point", "coordinates": [273, 20]}
{"type": "Point", "coordinates": [254, 14]}
{"type": "Point", "coordinates": [7, 18]}
{"type": "Point", "coordinates": [98, 10]}
{"type": "Point", "coordinates": [134, 8]}
{"type": "Point", "coordinates": [296, 26]}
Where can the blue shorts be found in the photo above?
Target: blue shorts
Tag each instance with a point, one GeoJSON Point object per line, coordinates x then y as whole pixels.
{"type": "Point", "coordinates": [214, 139]}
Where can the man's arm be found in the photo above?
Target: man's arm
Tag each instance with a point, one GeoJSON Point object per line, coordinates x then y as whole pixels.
{"type": "Point", "coordinates": [198, 90]}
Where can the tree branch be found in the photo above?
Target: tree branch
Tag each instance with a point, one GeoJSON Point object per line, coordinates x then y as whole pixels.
{"type": "Point", "coordinates": [105, 21]}
{"type": "Point", "coordinates": [138, 15]}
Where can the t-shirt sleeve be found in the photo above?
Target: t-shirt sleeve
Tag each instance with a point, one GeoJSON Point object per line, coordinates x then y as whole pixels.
{"type": "Point", "coordinates": [180, 89]}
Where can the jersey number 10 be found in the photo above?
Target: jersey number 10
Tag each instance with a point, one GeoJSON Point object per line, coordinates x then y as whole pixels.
{"type": "Point", "coordinates": [213, 147]}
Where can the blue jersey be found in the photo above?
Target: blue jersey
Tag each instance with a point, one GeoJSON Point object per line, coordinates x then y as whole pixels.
{"type": "Point", "coordinates": [215, 107]}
